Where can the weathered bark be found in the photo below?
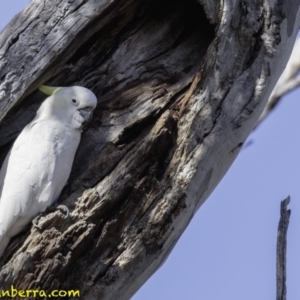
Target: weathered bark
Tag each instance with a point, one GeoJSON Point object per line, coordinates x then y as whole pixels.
{"type": "Point", "coordinates": [281, 249]}
{"type": "Point", "coordinates": [180, 88]}
{"type": "Point", "coordinates": [288, 81]}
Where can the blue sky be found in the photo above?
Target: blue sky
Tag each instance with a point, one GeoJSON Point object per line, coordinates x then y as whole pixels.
{"type": "Point", "coordinates": [229, 249]}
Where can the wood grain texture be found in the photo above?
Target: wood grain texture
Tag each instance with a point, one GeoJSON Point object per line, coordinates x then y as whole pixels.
{"type": "Point", "coordinates": [281, 249]}
{"type": "Point", "coordinates": [288, 81]}
{"type": "Point", "coordinates": [178, 95]}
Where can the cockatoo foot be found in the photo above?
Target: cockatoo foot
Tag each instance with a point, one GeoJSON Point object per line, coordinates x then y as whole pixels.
{"type": "Point", "coordinates": [35, 222]}
{"type": "Point", "coordinates": [65, 210]}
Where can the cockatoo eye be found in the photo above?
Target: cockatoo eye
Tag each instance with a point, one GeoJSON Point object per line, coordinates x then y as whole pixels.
{"type": "Point", "coordinates": [75, 102]}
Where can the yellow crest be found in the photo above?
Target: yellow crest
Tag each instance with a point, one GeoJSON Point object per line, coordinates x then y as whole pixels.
{"type": "Point", "coordinates": [49, 90]}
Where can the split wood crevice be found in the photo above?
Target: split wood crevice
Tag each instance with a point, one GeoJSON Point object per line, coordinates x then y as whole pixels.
{"type": "Point", "coordinates": [175, 93]}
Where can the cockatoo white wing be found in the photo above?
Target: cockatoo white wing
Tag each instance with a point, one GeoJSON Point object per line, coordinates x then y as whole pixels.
{"type": "Point", "coordinates": [22, 174]}
{"type": "Point", "coordinates": [38, 167]}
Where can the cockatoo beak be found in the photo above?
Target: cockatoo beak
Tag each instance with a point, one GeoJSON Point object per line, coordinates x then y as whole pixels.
{"type": "Point", "coordinates": [87, 114]}
{"type": "Point", "coordinates": [49, 90]}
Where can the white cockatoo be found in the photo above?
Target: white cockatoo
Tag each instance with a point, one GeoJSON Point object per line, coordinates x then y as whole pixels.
{"type": "Point", "coordinates": [39, 163]}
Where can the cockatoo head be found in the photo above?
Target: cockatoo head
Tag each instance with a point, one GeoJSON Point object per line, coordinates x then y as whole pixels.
{"type": "Point", "coordinates": [72, 106]}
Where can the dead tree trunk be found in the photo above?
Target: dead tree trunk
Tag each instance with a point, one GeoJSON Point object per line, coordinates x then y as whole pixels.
{"type": "Point", "coordinates": [180, 86]}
